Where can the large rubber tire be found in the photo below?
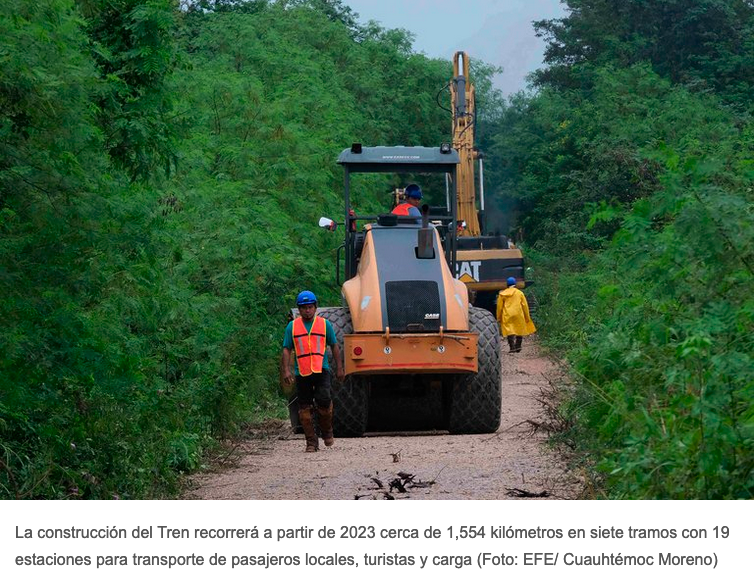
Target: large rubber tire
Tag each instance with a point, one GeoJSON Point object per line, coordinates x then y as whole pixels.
{"type": "Point", "coordinates": [351, 398]}
{"type": "Point", "coordinates": [532, 303]}
{"type": "Point", "coordinates": [475, 406]}
{"type": "Point", "coordinates": [293, 406]}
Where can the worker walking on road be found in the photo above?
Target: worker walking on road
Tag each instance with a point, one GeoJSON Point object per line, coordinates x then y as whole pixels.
{"type": "Point", "coordinates": [308, 336]}
{"type": "Point", "coordinates": [513, 315]}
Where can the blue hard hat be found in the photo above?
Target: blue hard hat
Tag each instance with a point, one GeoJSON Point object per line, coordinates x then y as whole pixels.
{"type": "Point", "coordinates": [306, 298]}
{"type": "Point", "coordinates": [511, 281]}
{"type": "Point", "coordinates": [413, 191]}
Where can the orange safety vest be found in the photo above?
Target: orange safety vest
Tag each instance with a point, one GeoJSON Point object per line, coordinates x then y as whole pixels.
{"type": "Point", "coordinates": [309, 347]}
{"type": "Point", "coordinates": [402, 209]}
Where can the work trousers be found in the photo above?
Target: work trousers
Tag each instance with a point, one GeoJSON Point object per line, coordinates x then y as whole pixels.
{"type": "Point", "coordinates": [314, 388]}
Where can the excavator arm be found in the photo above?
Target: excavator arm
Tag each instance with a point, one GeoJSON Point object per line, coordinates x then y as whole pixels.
{"type": "Point", "coordinates": [484, 262]}
{"type": "Point", "coordinates": [463, 137]}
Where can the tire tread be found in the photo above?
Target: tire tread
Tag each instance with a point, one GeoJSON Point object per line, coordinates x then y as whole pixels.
{"type": "Point", "coordinates": [476, 399]}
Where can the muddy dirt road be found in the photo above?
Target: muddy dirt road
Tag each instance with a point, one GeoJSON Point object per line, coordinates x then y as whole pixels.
{"type": "Point", "coordinates": [273, 465]}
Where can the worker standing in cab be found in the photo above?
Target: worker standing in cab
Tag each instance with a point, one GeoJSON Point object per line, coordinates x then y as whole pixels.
{"type": "Point", "coordinates": [308, 336]}
{"type": "Point", "coordinates": [513, 315]}
{"type": "Point", "coordinates": [411, 205]}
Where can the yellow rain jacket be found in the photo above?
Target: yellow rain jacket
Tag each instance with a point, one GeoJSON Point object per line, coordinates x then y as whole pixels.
{"type": "Point", "coordinates": [513, 314]}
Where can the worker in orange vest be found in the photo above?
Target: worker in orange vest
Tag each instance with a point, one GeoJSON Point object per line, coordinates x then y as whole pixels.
{"type": "Point", "coordinates": [411, 206]}
{"type": "Point", "coordinates": [308, 336]}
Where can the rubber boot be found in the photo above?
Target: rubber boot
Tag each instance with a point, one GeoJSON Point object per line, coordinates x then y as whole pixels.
{"type": "Point", "coordinates": [311, 438]}
{"type": "Point", "coordinates": [325, 419]}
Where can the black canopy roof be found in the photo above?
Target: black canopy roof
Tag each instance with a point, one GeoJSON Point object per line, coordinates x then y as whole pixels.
{"type": "Point", "coordinates": [399, 159]}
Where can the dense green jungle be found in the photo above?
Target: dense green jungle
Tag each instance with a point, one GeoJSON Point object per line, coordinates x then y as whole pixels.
{"type": "Point", "coordinates": [163, 166]}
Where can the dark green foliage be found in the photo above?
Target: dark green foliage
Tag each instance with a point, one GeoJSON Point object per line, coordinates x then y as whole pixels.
{"type": "Point", "coordinates": [570, 153]}
{"type": "Point", "coordinates": [142, 318]}
{"type": "Point", "coordinates": [201, 7]}
{"type": "Point", "coordinates": [634, 190]}
{"type": "Point", "coordinates": [708, 42]}
{"type": "Point", "coordinates": [132, 42]}
{"type": "Point", "coordinates": [660, 327]}
{"type": "Point", "coordinates": [81, 287]}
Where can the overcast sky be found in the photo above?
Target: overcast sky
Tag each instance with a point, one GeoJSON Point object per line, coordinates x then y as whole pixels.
{"type": "Point", "coordinates": [499, 32]}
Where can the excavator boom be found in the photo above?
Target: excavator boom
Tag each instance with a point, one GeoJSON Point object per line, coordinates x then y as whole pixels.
{"type": "Point", "coordinates": [484, 262]}
{"type": "Point", "coordinates": [463, 136]}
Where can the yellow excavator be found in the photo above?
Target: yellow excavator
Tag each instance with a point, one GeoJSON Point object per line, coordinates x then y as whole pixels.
{"type": "Point", "coordinates": [484, 262]}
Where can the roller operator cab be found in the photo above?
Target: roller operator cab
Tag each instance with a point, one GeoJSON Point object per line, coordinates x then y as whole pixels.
{"type": "Point", "coordinates": [416, 354]}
